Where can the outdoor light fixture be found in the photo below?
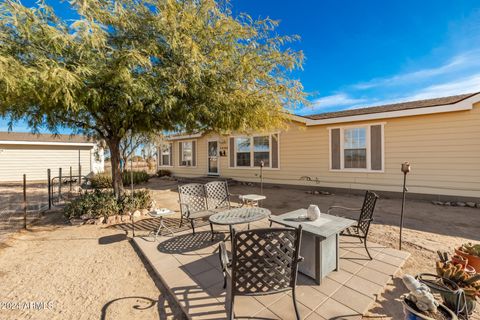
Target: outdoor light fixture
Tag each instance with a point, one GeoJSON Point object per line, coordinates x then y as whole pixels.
{"type": "Point", "coordinates": [262, 164]}
{"type": "Point", "coordinates": [405, 169]}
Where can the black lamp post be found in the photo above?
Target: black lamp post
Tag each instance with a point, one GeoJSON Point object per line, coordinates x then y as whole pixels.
{"type": "Point", "coordinates": [262, 164]}
{"type": "Point", "coordinates": [405, 169]}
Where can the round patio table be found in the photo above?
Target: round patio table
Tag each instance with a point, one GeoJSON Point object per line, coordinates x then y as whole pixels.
{"type": "Point", "coordinates": [241, 215]}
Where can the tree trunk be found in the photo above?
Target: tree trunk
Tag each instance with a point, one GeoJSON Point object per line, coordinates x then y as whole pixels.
{"type": "Point", "coordinates": [114, 145]}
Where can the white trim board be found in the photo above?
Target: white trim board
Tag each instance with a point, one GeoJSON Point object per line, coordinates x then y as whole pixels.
{"type": "Point", "coordinates": [463, 105]}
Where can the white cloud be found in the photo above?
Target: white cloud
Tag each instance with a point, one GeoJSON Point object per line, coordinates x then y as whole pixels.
{"type": "Point", "coordinates": [336, 100]}
{"type": "Point", "coordinates": [460, 62]}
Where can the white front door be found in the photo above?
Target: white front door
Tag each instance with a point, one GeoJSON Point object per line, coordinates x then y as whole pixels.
{"type": "Point", "coordinates": [213, 158]}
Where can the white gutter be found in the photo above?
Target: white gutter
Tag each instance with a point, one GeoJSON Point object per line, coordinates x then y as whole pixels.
{"type": "Point", "coordinates": [45, 143]}
{"type": "Point", "coordinates": [182, 137]}
{"type": "Point", "coordinates": [463, 105]}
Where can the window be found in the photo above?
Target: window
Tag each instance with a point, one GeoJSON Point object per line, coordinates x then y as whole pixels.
{"type": "Point", "coordinates": [250, 152]}
{"type": "Point", "coordinates": [243, 152]}
{"type": "Point", "coordinates": [165, 153]}
{"type": "Point", "coordinates": [355, 148]}
{"type": "Point", "coordinates": [187, 153]}
{"type": "Point", "coordinates": [261, 151]}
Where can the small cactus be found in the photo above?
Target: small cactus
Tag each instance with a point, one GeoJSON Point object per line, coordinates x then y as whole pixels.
{"type": "Point", "coordinates": [471, 249]}
{"type": "Point", "coordinates": [470, 284]}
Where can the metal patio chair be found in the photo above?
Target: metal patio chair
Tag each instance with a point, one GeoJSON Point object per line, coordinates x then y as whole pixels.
{"type": "Point", "coordinates": [218, 197]}
{"type": "Point", "coordinates": [264, 261]}
{"type": "Point", "coordinates": [360, 230]}
{"type": "Point", "coordinates": [193, 204]}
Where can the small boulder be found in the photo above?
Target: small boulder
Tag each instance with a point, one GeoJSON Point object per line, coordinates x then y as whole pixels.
{"type": "Point", "coordinates": [448, 204]}
{"type": "Point", "coordinates": [325, 193]}
{"type": "Point", "coordinates": [470, 204]}
{"type": "Point", "coordinates": [85, 217]}
{"type": "Point", "coordinates": [461, 204]}
{"type": "Point", "coordinates": [137, 213]}
{"type": "Point", "coordinates": [316, 192]}
{"type": "Point", "coordinates": [100, 220]}
{"type": "Point", "coordinates": [437, 203]}
{"type": "Point", "coordinates": [309, 192]}
{"type": "Point", "coordinates": [76, 222]}
{"type": "Point", "coordinates": [112, 219]}
{"type": "Point", "coordinates": [478, 205]}
{"type": "Point", "coordinates": [144, 212]}
{"type": "Point", "coordinates": [91, 221]}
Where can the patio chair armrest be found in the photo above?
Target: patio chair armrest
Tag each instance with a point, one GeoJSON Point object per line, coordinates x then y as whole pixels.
{"type": "Point", "coordinates": [342, 208]}
{"type": "Point", "coordinates": [224, 260]}
{"type": "Point", "coordinates": [300, 259]}
{"type": "Point", "coordinates": [366, 220]}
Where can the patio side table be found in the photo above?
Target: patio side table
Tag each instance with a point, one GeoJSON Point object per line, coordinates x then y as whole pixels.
{"type": "Point", "coordinates": [160, 213]}
{"type": "Point", "coordinates": [252, 199]}
{"type": "Point", "coordinates": [320, 237]}
{"type": "Point", "coordinates": [240, 215]}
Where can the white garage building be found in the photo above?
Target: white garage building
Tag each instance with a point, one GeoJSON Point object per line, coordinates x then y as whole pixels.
{"type": "Point", "coordinates": [32, 154]}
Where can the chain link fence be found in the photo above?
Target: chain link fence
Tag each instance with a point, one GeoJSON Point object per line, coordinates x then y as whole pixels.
{"type": "Point", "coordinates": [23, 202]}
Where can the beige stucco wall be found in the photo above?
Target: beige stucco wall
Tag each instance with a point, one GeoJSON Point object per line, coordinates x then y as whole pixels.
{"type": "Point", "coordinates": [34, 160]}
{"type": "Point", "coordinates": [443, 149]}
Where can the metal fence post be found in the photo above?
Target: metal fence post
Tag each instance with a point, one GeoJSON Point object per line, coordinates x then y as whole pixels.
{"type": "Point", "coordinates": [79, 175]}
{"type": "Point", "coordinates": [49, 190]}
{"type": "Point", "coordinates": [70, 178]}
{"type": "Point", "coordinates": [24, 201]}
{"type": "Point", "coordinates": [59, 183]}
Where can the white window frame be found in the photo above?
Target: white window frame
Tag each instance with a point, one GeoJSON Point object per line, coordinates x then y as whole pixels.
{"type": "Point", "coordinates": [170, 158]}
{"type": "Point", "coordinates": [252, 166]}
{"type": "Point", "coordinates": [368, 146]}
{"type": "Point", "coordinates": [181, 157]}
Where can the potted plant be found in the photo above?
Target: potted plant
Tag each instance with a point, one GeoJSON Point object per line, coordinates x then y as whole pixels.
{"type": "Point", "coordinates": [470, 284]}
{"type": "Point", "coordinates": [420, 303]}
{"type": "Point", "coordinates": [471, 252]}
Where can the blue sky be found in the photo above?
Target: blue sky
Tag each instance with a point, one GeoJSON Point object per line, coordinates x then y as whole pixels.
{"type": "Point", "coordinates": [372, 52]}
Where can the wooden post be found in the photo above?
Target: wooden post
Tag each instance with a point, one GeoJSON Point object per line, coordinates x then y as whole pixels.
{"type": "Point", "coordinates": [79, 175]}
{"type": "Point", "coordinates": [59, 183]}
{"type": "Point", "coordinates": [71, 177]}
{"type": "Point", "coordinates": [49, 190]}
{"type": "Point", "coordinates": [24, 201]}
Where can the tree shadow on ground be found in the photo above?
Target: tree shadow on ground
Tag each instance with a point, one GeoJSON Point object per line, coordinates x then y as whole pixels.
{"type": "Point", "coordinates": [189, 242]}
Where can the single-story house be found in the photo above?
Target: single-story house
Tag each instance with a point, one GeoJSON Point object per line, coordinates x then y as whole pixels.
{"type": "Point", "coordinates": [32, 154]}
{"type": "Point", "coordinates": [354, 149]}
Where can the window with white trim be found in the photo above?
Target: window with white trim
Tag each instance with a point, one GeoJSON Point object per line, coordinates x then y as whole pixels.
{"type": "Point", "coordinates": [165, 154]}
{"type": "Point", "coordinates": [187, 153]}
{"type": "Point", "coordinates": [250, 152]}
{"type": "Point", "coordinates": [357, 148]}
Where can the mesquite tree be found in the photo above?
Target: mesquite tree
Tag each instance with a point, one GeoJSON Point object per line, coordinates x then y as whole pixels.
{"type": "Point", "coordinates": [144, 66]}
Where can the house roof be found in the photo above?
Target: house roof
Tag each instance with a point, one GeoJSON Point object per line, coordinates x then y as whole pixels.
{"type": "Point", "coordinates": [392, 107]}
{"type": "Point", "coordinates": [22, 137]}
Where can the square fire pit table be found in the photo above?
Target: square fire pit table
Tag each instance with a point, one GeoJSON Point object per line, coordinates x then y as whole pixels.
{"type": "Point", "coordinates": [320, 239]}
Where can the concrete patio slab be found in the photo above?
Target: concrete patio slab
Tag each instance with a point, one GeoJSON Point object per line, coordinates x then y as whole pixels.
{"type": "Point", "coordinates": [189, 267]}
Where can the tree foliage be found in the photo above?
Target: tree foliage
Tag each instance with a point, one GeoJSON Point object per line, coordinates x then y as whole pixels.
{"type": "Point", "coordinates": [144, 66]}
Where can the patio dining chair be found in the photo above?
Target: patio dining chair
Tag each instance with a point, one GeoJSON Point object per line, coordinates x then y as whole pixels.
{"type": "Point", "coordinates": [193, 204]}
{"type": "Point", "coordinates": [218, 197]}
{"type": "Point", "coordinates": [264, 261]}
{"type": "Point", "coordinates": [360, 230]}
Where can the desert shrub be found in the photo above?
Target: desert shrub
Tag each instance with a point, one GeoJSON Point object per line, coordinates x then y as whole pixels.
{"type": "Point", "coordinates": [93, 205]}
{"type": "Point", "coordinates": [138, 177]}
{"type": "Point", "coordinates": [104, 180]}
{"type": "Point", "coordinates": [101, 181]}
{"type": "Point", "coordinates": [141, 200]}
{"type": "Point", "coordinates": [103, 204]}
{"type": "Point", "coordinates": [164, 173]}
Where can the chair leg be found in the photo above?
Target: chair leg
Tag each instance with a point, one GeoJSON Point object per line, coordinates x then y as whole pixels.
{"type": "Point", "coordinates": [181, 220]}
{"type": "Point", "coordinates": [193, 225]}
{"type": "Point", "coordinates": [295, 304]}
{"type": "Point", "coordinates": [230, 315]}
{"type": "Point", "coordinates": [211, 229]}
{"type": "Point", "coordinates": [365, 243]}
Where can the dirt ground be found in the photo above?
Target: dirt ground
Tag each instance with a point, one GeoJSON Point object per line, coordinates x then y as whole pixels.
{"type": "Point", "coordinates": [91, 272]}
{"type": "Point", "coordinates": [78, 272]}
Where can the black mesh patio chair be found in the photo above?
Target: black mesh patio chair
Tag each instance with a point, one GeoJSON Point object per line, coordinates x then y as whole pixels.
{"type": "Point", "coordinates": [193, 204]}
{"type": "Point", "coordinates": [218, 197]}
{"type": "Point", "coordinates": [360, 230]}
{"type": "Point", "coordinates": [264, 261]}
